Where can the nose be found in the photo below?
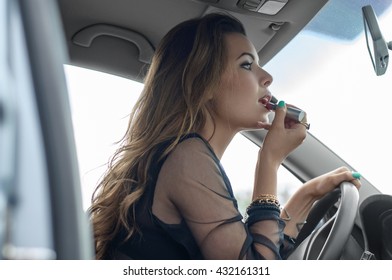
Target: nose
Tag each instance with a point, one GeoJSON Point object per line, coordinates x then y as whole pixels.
{"type": "Point", "coordinates": [265, 78]}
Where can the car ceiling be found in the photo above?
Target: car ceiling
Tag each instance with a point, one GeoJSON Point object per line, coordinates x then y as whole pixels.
{"type": "Point", "coordinates": [94, 29]}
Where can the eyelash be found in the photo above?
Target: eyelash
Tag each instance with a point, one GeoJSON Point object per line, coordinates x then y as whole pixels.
{"type": "Point", "coordinates": [247, 65]}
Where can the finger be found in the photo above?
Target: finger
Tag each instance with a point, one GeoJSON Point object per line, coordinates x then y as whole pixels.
{"type": "Point", "coordinates": [264, 125]}
{"type": "Point", "coordinates": [280, 114]}
{"type": "Point", "coordinates": [357, 183]}
{"type": "Point", "coordinates": [339, 170]}
{"type": "Point", "coordinates": [343, 174]}
{"type": "Point", "coordinates": [357, 177]}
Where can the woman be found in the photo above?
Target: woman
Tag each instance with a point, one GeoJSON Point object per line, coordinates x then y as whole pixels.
{"type": "Point", "coordinates": [165, 195]}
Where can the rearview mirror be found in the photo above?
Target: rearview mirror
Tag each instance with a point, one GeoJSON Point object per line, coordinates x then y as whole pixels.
{"type": "Point", "coordinates": [377, 46]}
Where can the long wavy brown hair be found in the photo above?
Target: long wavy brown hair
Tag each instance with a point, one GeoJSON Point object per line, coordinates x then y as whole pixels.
{"type": "Point", "coordinates": [176, 99]}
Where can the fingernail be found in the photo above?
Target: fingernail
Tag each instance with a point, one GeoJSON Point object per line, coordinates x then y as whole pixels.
{"type": "Point", "coordinates": [356, 175]}
{"type": "Point", "coordinates": [281, 104]}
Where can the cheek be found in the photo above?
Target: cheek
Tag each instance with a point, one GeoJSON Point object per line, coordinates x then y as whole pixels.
{"type": "Point", "coordinates": [231, 85]}
{"type": "Point", "coordinates": [236, 96]}
{"type": "Point", "coordinates": [247, 83]}
{"type": "Point", "coordinates": [228, 91]}
{"type": "Point", "coordinates": [235, 92]}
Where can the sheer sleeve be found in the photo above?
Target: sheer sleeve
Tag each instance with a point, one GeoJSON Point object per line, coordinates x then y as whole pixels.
{"type": "Point", "coordinates": [192, 180]}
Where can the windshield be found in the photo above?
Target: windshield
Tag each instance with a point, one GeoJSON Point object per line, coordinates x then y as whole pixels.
{"type": "Point", "coordinates": [327, 71]}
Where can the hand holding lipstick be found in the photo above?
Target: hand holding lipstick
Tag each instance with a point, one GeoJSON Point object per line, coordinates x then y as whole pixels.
{"type": "Point", "coordinates": [284, 134]}
{"type": "Point", "coordinates": [292, 113]}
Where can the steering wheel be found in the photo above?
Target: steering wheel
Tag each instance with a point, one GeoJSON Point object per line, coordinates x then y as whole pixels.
{"type": "Point", "coordinates": [326, 242]}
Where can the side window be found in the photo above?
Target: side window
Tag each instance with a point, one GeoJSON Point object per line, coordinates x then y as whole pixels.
{"type": "Point", "coordinates": [239, 162]}
{"type": "Point", "coordinates": [100, 105]}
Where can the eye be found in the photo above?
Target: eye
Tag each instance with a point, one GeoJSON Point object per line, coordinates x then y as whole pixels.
{"type": "Point", "coordinates": [247, 65]}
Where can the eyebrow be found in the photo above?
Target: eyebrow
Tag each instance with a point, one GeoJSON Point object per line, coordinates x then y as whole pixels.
{"type": "Point", "coordinates": [247, 53]}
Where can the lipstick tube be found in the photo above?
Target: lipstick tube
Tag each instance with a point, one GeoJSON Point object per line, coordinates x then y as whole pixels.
{"type": "Point", "coordinates": [292, 112]}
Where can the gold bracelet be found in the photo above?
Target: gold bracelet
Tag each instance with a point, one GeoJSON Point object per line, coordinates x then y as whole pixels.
{"type": "Point", "coordinates": [266, 199]}
{"type": "Point", "coordinates": [263, 196]}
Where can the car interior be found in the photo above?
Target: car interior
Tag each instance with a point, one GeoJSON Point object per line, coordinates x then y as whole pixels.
{"type": "Point", "coordinates": [40, 193]}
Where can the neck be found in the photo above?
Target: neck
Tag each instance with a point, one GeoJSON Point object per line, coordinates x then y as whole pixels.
{"type": "Point", "coordinates": [218, 136]}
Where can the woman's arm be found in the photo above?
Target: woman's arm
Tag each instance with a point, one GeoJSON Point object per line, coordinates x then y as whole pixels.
{"type": "Point", "coordinates": [299, 205]}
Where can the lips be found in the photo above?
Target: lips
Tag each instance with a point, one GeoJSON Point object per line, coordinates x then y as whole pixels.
{"type": "Point", "coordinates": [265, 99]}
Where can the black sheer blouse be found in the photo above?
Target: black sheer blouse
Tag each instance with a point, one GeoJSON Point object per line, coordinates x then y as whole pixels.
{"type": "Point", "coordinates": [189, 212]}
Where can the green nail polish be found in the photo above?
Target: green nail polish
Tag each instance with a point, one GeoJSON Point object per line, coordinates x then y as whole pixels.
{"type": "Point", "coordinates": [281, 104]}
{"type": "Point", "coordinates": [356, 175]}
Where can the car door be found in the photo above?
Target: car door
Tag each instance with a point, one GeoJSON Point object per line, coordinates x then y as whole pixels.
{"type": "Point", "coordinates": [41, 215]}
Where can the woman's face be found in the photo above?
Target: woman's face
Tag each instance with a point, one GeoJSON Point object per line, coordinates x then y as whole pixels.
{"type": "Point", "coordinates": [243, 87]}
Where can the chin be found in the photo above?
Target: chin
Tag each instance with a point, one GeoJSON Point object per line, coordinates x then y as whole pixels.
{"type": "Point", "coordinates": [265, 119]}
